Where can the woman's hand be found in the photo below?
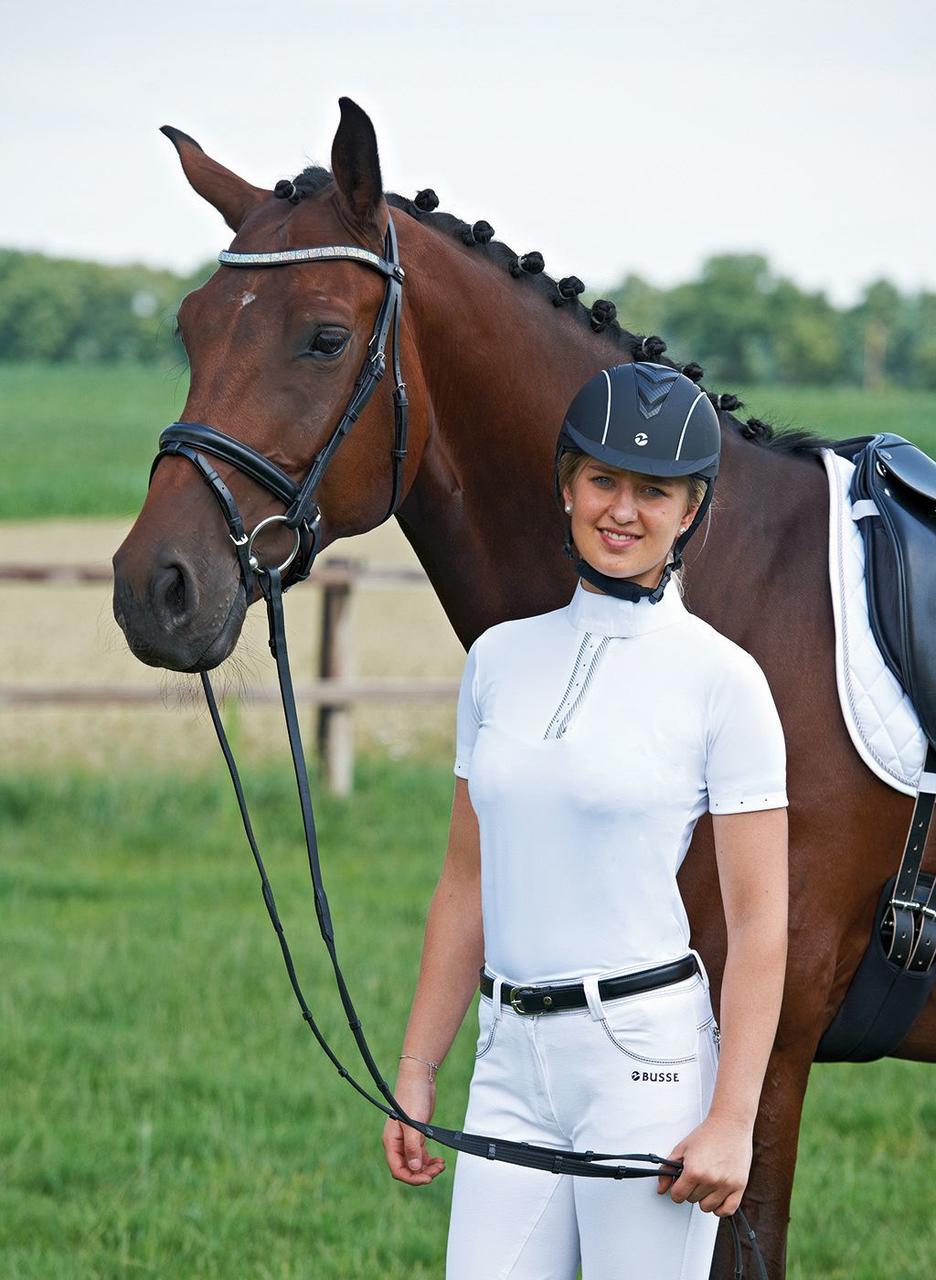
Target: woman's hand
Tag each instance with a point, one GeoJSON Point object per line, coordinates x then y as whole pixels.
{"type": "Point", "coordinates": [404, 1146]}
{"type": "Point", "coordinates": [716, 1158]}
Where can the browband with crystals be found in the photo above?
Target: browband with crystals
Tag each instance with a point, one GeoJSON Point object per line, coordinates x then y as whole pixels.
{"type": "Point", "coordinates": [324, 252]}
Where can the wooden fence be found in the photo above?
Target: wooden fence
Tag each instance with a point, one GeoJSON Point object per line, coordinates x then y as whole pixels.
{"type": "Point", "coordinates": [333, 692]}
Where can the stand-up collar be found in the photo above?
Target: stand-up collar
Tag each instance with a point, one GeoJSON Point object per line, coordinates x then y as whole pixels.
{"type": "Point", "coordinates": [610, 616]}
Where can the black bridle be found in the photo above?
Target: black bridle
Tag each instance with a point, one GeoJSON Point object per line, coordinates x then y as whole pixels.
{"type": "Point", "coordinates": [192, 440]}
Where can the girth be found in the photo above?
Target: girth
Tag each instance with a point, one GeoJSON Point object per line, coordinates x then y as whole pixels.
{"type": "Point", "coordinates": [193, 441]}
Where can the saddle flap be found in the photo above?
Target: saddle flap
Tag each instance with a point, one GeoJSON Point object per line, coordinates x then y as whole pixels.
{"type": "Point", "coordinates": [897, 480]}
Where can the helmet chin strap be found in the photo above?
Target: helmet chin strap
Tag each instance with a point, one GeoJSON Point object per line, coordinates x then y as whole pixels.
{"type": "Point", "coordinates": [623, 588]}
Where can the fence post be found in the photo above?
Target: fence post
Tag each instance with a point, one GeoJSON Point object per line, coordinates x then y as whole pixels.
{"type": "Point", "coordinates": [335, 730]}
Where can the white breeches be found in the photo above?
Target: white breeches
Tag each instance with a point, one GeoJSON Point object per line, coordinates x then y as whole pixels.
{"type": "Point", "coordinates": [634, 1074]}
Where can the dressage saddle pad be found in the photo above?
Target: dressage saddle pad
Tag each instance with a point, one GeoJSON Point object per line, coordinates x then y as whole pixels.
{"type": "Point", "coordinates": [879, 715]}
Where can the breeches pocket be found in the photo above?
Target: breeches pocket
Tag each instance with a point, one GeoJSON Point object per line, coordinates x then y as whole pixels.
{"type": "Point", "coordinates": [487, 1027]}
{"type": "Point", "coordinates": [659, 1027]}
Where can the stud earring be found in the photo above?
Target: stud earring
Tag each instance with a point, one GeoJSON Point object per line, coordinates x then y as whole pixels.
{"type": "Point", "coordinates": [568, 507]}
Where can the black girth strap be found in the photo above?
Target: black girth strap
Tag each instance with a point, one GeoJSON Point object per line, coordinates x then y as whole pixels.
{"type": "Point", "coordinates": [194, 440]}
{"type": "Point", "coordinates": [912, 925]}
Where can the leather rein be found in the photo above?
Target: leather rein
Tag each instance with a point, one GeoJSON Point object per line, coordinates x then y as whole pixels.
{"type": "Point", "coordinates": [194, 440]}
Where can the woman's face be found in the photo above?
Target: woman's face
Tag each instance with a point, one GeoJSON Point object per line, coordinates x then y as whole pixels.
{"type": "Point", "coordinates": [624, 523]}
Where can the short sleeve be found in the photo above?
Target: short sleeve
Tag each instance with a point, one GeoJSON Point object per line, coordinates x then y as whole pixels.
{"type": "Point", "coordinates": [468, 714]}
{"type": "Point", "coordinates": [746, 751]}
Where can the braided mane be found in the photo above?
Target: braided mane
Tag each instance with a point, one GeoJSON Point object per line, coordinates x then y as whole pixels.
{"type": "Point", "coordinates": [600, 317]}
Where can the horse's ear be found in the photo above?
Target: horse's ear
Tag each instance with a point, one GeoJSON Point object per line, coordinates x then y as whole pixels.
{"type": "Point", "coordinates": [355, 164]}
{"type": "Point", "coordinates": [231, 196]}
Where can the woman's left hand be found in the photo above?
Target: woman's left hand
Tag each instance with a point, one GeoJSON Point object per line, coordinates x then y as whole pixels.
{"type": "Point", "coordinates": [716, 1158]}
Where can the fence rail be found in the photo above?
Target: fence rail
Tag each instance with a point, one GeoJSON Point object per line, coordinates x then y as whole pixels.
{"type": "Point", "coordinates": [322, 693]}
{"type": "Point", "coordinates": [335, 573]}
{"type": "Point", "coordinates": [333, 693]}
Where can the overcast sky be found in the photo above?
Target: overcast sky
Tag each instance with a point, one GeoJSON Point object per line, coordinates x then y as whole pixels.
{"type": "Point", "coordinates": [611, 137]}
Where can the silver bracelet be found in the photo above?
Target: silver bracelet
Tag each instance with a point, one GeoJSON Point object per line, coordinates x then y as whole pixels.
{"type": "Point", "coordinates": [433, 1066]}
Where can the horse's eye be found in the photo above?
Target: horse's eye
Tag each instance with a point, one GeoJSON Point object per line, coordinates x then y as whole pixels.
{"type": "Point", "coordinates": [327, 342]}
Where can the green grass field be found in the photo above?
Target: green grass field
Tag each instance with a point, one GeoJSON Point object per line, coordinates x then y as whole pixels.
{"type": "Point", "coordinates": [78, 439]}
{"type": "Point", "coordinates": [167, 1112]}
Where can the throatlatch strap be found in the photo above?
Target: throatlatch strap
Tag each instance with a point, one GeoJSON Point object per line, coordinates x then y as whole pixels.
{"type": "Point", "coordinates": [530, 1155]}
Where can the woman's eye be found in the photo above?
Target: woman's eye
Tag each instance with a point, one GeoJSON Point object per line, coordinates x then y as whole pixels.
{"type": "Point", "coordinates": [649, 488]}
{"type": "Point", "coordinates": [327, 342]}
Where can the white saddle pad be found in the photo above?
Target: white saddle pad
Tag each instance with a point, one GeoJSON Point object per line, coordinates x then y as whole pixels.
{"type": "Point", "coordinates": [880, 718]}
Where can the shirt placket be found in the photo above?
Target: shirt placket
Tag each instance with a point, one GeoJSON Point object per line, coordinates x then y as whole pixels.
{"type": "Point", "coordinates": [590, 653]}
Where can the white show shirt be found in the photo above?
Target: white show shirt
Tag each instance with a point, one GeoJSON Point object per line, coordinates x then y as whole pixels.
{"type": "Point", "coordinates": [592, 738]}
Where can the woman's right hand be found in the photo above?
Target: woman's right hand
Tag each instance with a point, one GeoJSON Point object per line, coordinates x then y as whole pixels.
{"type": "Point", "coordinates": [405, 1146]}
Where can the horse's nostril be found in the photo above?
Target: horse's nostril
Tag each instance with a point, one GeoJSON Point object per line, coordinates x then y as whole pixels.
{"type": "Point", "coordinates": [173, 595]}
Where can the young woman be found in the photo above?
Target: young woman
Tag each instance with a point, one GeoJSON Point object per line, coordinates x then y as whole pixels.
{"type": "Point", "coordinates": [589, 741]}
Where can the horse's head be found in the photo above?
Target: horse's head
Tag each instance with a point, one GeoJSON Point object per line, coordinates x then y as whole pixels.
{"type": "Point", "coordinates": [275, 355]}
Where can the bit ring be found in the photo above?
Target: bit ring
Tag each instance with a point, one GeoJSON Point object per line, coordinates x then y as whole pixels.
{"type": "Point", "coordinates": [252, 559]}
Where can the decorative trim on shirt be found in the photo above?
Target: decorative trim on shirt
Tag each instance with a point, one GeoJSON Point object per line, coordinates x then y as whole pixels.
{"type": "Point", "coordinates": [578, 684]}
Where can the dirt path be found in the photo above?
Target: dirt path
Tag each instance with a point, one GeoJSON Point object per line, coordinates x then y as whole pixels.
{"type": "Point", "coordinates": [66, 635]}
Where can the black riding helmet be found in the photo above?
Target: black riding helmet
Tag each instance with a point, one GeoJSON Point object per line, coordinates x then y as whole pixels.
{"type": "Point", "coordinates": [648, 418]}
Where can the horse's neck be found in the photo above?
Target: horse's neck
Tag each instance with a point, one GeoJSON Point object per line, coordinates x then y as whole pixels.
{"type": "Point", "coordinates": [499, 366]}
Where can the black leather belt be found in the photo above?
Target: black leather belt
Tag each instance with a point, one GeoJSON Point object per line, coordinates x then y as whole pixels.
{"type": "Point", "coordinates": [571, 995]}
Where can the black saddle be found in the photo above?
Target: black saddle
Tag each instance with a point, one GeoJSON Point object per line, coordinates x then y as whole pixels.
{"type": "Point", "coordinates": [893, 494]}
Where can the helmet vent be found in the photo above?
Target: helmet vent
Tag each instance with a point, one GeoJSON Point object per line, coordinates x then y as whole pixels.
{"type": "Point", "coordinates": [653, 386]}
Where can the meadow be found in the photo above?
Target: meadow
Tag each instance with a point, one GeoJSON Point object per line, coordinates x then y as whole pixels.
{"type": "Point", "coordinates": [78, 439]}
{"type": "Point", "coordinates": [167, 1113]}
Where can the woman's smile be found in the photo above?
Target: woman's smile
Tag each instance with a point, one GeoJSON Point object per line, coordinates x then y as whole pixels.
{"type": "Point", "coordinates": [618, 541]}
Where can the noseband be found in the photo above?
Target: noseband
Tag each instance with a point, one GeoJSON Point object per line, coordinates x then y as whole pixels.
{"type": "Point", "coordinates": [193, 440]}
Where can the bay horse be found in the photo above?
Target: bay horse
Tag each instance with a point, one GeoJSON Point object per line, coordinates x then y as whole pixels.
{"type": "Point", "coordinates": [490, 364]}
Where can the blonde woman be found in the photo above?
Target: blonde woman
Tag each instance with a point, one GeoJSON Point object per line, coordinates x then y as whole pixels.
{"type": "Point", "coordinates": [589, 741]}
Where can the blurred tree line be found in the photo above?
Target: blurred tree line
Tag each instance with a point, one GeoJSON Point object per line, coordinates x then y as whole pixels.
{"type": "Point", "coordinates": [54, 309]}
{"type": "Point", "coordinates": [739, 320]}
{"type": "Point", "coordinates": [743, 323]}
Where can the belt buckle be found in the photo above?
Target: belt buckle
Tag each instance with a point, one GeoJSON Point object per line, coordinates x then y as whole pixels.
{"type": "Point", "coordinates": [515, 998]}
